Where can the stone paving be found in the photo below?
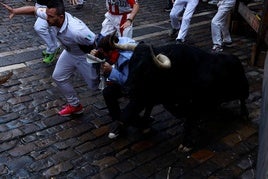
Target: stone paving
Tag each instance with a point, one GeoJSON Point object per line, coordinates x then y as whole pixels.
{"type": "Point", "coordinates": [37, 143]}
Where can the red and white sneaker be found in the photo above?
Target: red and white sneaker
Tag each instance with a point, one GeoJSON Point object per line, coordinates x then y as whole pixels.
{"type": "Point", "coordinates": [69, 110]}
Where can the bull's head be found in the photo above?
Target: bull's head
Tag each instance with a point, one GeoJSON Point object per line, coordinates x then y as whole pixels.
{"type": "Point", "coordinates": [160, 60]}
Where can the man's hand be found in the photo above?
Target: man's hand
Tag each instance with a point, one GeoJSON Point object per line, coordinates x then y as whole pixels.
{"type": "Point", "coordinates": [126, 24]}
{"type": "Point", "coordinates": [73, 2]}
{"type": "Point", "coordinates": [107, 68]}
{"type": "Point", "coordinates": [94, 52]}
{"type": "Point", "coordinates": [10, 10]}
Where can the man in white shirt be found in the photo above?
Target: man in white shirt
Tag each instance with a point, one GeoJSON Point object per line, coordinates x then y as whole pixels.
{"type": "Point", "coordinates": [47, 34]}
{"type": "Point", "coordinates": [75, 37]}
{"type": "Point", "coordinates": [120, 17]}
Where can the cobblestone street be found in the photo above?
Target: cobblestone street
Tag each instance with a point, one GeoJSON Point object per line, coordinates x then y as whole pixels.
{"type": "Point", "coordinates": [35, 142]}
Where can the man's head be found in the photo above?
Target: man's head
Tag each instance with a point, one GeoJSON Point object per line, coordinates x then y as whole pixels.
{"type": "Point", "coordinates": [55, 13]}
{"type": "Point", "coordinates": [107, 43]}
{"type": "Point", "coordinates": [107, 49]}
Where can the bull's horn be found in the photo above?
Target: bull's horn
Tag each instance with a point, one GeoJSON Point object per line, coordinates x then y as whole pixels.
{"type": "Point", "coordinates": [162, 61]}
{"type": "Point", "coordinates": [93, 59]}
{"type": "Point", "coordinates": [4, 78]}
{"type": "Point", "coordinates": [128, 46]}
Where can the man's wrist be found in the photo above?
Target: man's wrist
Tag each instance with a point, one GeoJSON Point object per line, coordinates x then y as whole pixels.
{"type": "Point", "coordinates": [130, 20]}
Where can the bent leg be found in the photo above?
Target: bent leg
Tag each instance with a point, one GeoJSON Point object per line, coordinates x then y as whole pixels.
{"type": "Point", "coordinates": [111, 94]}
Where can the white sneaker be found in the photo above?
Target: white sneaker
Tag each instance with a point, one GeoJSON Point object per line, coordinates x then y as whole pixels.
{"type": "Point", "coordinates": [216, 48]}
{"type": "Point", "coordinates": [113, 135]}
{"type": "Point", "coordinates": [114, 130]}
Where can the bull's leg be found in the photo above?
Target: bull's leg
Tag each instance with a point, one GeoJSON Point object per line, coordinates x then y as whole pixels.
{"type": "Point", "coordinates": [148, 111]}
{"type": "Point", "coordinates": [131, 111]}
{"type": "Point", "coordinates": [191, 127]}
{"type": "Point", "coordinates": [188, 130]}
{"type": "Point", "coordinates": [178, 110]}
{"type": "Point", "coordinates": [243, 109]}
{"type": "Point", "coordinates": [147, 119]}
{"type": "Point", "coordinates": [130, 115]}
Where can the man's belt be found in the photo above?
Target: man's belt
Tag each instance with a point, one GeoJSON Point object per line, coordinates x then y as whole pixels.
{"type": "Point", "coordinates": [123, 13]}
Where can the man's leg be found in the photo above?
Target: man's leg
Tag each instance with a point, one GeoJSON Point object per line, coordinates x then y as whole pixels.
{"type": "Point", "coordinates": [186, 19]}
{"type": "Point", "coordinates": [63, 71]}
{"type": "Point", "coordinates": [49, 36]}
{"type": "Point", "coordinates": [111, 94]}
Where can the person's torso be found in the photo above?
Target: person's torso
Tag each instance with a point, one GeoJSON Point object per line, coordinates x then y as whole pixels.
{"type": "Point", "coordinates": [74, 33]}
{"type": "Point", "coordinates": [121, 64]}
{"type": "Point", "coordinates": [120, 6]}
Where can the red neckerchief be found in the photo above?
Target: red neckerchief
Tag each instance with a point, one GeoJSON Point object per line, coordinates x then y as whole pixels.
{"type": "Point", "coordinates": [113, 56]}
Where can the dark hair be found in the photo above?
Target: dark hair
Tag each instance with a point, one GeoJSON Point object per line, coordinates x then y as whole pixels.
{"type": "Point", "coordinates": [106, 43]}
{"type": "Point", "coordinates": [58, 4]}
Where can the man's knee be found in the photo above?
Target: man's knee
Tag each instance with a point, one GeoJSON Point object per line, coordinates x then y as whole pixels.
{"type": "Point", "coordinates": [107, 92]}
{"type": "Point", "coordinates": [39, 28]}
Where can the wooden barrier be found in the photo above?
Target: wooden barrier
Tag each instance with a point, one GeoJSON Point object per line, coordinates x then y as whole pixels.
{"type": "Point", "coordinates": [251, 18]}
{"type": "Point", "coordinates": [259, 24]}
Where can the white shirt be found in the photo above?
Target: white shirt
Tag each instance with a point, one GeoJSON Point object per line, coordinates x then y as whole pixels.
{"type": "Point", "coordinates": [73, 32]}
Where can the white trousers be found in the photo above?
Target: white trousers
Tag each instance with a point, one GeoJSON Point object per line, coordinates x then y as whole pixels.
{"type": "Point", "coordinates": [65, 67]}
{"type": "Point", "coordinates": [188, 6]}
{"type": "Point", "coordinates": [80, 1]}
{"type": "Point", "coordinates": [113, 22]}
{"type": "Point", "coordinates": [46, 33]}
{"type": "Point", "coordinates": [220, 24]}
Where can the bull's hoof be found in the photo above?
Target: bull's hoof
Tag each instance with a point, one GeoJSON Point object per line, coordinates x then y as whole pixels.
{"type": "Point", "coordinates": [144, 124]}
{"type": "Point", "coordinates": [146, 130]}
{"type": "Point", "coordinates": [184, 149]}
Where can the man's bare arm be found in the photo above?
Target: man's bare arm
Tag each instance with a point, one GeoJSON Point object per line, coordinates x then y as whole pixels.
{"type": "Point", "coordinates": [26, 10]}
{"type": "Point", "coordinates": [134, 11]}
{"type": "Point", "coordinates": [131, 16]}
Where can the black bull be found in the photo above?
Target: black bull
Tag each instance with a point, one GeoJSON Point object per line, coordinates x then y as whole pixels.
{"type": "Point", "coordinates": [196, 82]}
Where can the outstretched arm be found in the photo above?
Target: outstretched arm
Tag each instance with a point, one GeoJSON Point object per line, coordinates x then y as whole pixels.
{"type": "Point", "coordinates": [26, 10]}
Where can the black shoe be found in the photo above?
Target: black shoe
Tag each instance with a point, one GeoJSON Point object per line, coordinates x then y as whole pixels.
{"type": "Point", "coordinates": [79, 6]}
{"type": "Point", "coordinates": [179, 41]}
{"type": "Point", "coordinates": [167, 9]}
{"type": "Point", "coordinates": [227, 44]}
{"type": "Point", "coordinates": [173, 32]}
